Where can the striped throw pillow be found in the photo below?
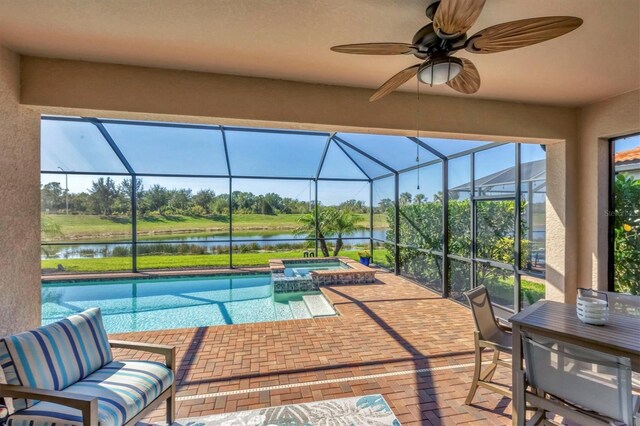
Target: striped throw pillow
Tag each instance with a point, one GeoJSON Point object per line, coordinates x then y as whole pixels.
{"type": "Point", "coordinates": [56, 355]}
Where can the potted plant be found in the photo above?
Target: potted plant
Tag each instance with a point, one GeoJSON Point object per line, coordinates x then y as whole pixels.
{"type": "Point", "coordinates": [365, 257]}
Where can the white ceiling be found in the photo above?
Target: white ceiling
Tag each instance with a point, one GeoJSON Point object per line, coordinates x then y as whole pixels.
{"type": "Point", "coordinates": [290, 39]}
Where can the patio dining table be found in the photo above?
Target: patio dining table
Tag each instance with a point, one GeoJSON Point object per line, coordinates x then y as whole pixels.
{"type": "Point", "coordinates": [558, 321]}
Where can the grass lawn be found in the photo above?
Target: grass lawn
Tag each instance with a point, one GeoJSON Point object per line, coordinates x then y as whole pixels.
{"type": "Point", "coordinates": [83, 227]}
{"type": "Point", "coordinates": [112, 264]}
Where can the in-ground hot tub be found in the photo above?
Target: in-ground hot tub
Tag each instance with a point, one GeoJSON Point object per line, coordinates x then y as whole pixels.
{"type": "Point", "coordinates": [310, 273]}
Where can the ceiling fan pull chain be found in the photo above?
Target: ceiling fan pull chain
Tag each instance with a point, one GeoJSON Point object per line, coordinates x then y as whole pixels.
{"type": "Point", "coordinates": [418, 131]}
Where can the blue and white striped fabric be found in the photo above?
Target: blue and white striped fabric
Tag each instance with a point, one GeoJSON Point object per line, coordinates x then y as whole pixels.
{"type": "Point", "coordinates": [123, 389]}
{"type": "Point", "coordinates": [56, 355]}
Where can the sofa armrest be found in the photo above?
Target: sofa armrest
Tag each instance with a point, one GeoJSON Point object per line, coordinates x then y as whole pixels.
{"type": "Point", "coordinates": [87, 404]}
{"type": "Point", "coordinates": [169, 352]}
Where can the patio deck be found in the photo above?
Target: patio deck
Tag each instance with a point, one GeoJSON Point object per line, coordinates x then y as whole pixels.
{"type": "Point", "coordinates": [392, 337]}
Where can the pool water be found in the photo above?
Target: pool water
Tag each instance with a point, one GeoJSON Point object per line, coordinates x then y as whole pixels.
{"type": "Point", "coordinates": [169, 303]}
{"type": "Point", "coordinates": [303, 269]}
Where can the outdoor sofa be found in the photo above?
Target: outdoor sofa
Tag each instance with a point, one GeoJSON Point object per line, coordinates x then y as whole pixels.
{"type": "Point", "coordinates": [64, 373]}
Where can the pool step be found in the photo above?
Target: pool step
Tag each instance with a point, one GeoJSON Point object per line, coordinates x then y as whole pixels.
{"type": "Point", "coordinates": [299, 309]}
{"type": "Point", "coordinates": [318, 305]}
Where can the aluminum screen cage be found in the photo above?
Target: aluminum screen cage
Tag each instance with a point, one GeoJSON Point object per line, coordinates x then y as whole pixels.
{"type": "Point", "coordinates": [376, 169]}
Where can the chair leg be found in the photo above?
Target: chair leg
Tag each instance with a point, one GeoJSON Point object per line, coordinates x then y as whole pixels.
{"type": "Point", "coordinates": [487, 375]}
{"type": "Point", "coordinates": [171, 406]}
{"type": "Point", "coordinates": [476, 371]}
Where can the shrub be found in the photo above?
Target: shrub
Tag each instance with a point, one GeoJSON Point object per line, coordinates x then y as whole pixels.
{"type": "Point", "coordinates": [626, 229]}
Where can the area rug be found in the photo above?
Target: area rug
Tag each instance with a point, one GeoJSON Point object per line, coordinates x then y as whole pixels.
{"type": "Point", "coordinates": [370, 410]}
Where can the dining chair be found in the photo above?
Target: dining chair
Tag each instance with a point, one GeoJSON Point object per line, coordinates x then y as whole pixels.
{"type": "Point", "coordinates": [626, 304]}
{"type": "Point", "coordinates": [581, 385]}
{"type": "Point", "coordinates": [489, 334]}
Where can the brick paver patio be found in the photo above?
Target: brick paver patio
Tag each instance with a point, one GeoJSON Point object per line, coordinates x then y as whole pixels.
{"type": "Point", "coordinates": [417, 346]}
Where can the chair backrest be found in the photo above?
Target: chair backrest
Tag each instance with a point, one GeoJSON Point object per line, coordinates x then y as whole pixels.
{"type": "Point", "coordinates": [482, 311]}
{"type": "Point", "coordinates": [590, 379]}
{"type": "Point", "coordinates": [56, 355]}
{"type": "Point", "coordinates": [621, 303]}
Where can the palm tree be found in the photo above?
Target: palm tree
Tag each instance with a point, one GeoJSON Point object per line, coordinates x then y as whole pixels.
{"type": "Point", "coordinates": [308, 227]}
{"type": "Point", "coordinates": [331, 220]}
{"type": "Point", "coordinates": [344, 222]}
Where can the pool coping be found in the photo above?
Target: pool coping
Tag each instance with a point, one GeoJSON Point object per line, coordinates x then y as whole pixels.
{"type": "Point", "coordinates": [277, 265]}
{"type": "Point", "coordinates": [108, 276]}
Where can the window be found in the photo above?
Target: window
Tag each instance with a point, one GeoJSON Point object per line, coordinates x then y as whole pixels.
{"type": "Point", "coordinates": [460, 206]}
{"type": "Point", "coordinates": [494, 171]}
{"type": "Point", "coordinates": [272, 219]}
{"type": "Point", "coordinates": [451, 147]}
{"type": "Point", "coordinates": [76, 146]}
{"type": "Point", "coordinates": [533, 208]}
{"type": "Point", "coordinates": [270, 153]}
{"type": "Point", "coordinates": [343, 217]}
{"type": "Point", "coordinates": [84, 221]}
{"type": "Point", "coordinates": [397, 152]}
{"type": "Point", "coordinates": [340, 164]}
{"type": "Point", "coordinates": [420, 207]}
{"type": "Point", "coordinates": [182, 222]}
{"type": "Point", "coordinates": [384, 210]}
{"type": "Point", "coordinates": [624, 215]}
{"type": "Point", "coordinates": [170, 149]}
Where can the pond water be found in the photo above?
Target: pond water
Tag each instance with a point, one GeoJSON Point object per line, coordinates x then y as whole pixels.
{"type": "Point", "coordinates": [209, 243]}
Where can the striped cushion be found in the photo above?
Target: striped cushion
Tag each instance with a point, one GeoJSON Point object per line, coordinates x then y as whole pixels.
{"type": "Point", "coordinates": [123, 390]}
{"type": "Point", "coordinates": [56, 355]}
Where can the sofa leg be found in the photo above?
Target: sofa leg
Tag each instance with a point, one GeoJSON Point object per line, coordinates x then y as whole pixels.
{"type": "Point", "coordinates": [171, 406]}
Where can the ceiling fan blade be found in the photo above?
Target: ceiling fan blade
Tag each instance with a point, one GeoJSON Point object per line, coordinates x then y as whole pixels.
{"type": "Point", "coordinates": [468, 81]}
{"type": "Point", "coordinates": [376, 48]}
{"type": "Point", "coordinates": [516, 34]}
{"type": "Point", "coordinates": [394, 82]}
{"type": "Point", "coordinates": [456, 17]}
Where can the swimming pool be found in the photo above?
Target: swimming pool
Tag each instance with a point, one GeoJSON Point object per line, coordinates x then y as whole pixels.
{"type": "Point", "coordinates": [169, 303]}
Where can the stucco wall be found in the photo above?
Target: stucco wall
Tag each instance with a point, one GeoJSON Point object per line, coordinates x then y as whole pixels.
{"type": "Point", "coordinates": [598, 123]}
{"type": "Point", "coordinates": [226, 99]}
{"type": "Point", "coordinates": [19, 203]}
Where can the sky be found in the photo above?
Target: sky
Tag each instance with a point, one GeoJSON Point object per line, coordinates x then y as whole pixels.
{"type": "Point", "coordinates": [625, 144]}
{"type": "Point", "coordinates": [79, 146]}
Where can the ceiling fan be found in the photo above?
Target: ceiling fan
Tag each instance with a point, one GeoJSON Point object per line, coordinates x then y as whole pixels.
{"type": "Point", "coordinates": [437, 41]}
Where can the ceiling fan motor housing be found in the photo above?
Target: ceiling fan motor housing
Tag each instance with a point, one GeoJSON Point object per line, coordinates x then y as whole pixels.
{"type": "Point", "coordinates": [429, 43]}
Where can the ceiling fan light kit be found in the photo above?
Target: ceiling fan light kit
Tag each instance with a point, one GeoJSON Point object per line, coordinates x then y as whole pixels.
{"type": "Point", "coordinates": [439, 70]}
{"type": "Point", "coordinates": [435, 42]}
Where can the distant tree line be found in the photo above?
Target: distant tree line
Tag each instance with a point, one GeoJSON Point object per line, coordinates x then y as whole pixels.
{"type": "Point", "coordinates": [107, 198]}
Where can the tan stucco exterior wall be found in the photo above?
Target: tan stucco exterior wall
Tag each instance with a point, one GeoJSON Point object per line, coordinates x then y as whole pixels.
{"type": "Point", "coordinates": [120, 90]}
{"type": "Point", "coordinates": [19, 203]}
{"type": "Point", "coordinates": [598, 123]}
